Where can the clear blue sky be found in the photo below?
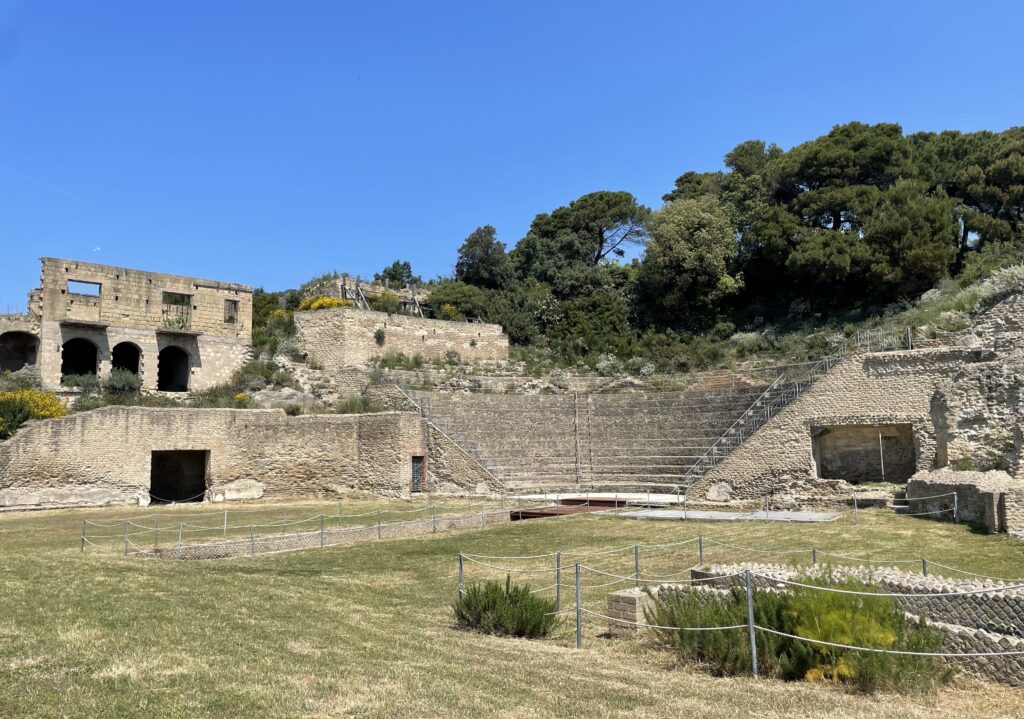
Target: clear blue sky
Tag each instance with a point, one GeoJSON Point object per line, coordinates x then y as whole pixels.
{"type": "Point", "coordinates": [266, 142]}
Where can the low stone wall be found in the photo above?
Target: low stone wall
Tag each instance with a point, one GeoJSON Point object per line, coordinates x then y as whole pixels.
{"type": "Point", "coordinates": [991, 500]}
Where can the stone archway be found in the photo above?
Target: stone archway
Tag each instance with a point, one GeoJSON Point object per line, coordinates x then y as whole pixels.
{"type": "Point", "coordinates": [17, 349]}
{"type": "Point", "coordinates": [79, 356]}
{"type": "Point", "coordinates": [127, 356]}
{"type": "Point", "coordinates": [173, 369]}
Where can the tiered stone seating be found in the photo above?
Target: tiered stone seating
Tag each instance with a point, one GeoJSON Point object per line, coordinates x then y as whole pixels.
{"type": "Point", "coordinates": [625, 441]}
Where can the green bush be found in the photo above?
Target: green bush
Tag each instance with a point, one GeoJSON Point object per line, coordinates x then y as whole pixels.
{"type": "Point", "coordinates": [379, 336]}
{"type": "Point", "coordinates": [358, 405]}
{"type": "Point", "coordinates": [84, 404]}
{"type": "Point", "coordinates": [25, 378]}
{"type": "Point", "coordinates": [398, 360]}
{"type": "Point", "coordinates": [122, 381]}
{"type": "Point", "coordinates": [13, 414]}
{"type": "Point", "coordinates": [386, 302]}
{"type": "Point", "coordinates": [509, 610]}
{"type": "Point", "coordinates": [87, 383]}
{"type": "Point", "coordinates": [871, 622]}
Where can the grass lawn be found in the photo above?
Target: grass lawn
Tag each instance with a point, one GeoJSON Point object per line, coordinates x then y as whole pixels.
{"type": "Point", "coordinates": [365, 630]}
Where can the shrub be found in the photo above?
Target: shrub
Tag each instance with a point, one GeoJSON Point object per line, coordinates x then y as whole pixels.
{"type": "Point", "coordinates": [84, 404]}
{"type": "Point", "coordinates": [293, 410]}
{"type": "Point", "coordinates": [386, 302]}
{"type": "Point", "coordinates": [88, 383]}
{"type": "Point", "coordinates": [20, 406]}
{"type": "Point", "coordinates": [358, 405]}
{"type": "Point", "coordinates": [450, 312]}
{"type": "Point", "coordinates": [398, 360]}
{"type": "Point", "coordinates": [872, 622]}
{"type": "Point", "coordinates": [378, 336]}
{"type": "Point", "coordinates": [510, 610]}
{"type": "Point", "coordinates": [452, 357]}
{"type": "Point", "coordinates": [25, 378]}
{"type": "Point", "coordinates": [323, 302]}
{"type": "Point", "coordinates": [122, 381]}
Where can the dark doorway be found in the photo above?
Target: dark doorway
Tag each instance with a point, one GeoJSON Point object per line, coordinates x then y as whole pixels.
{"type": "Point", "coordinates": [17, 349]}
{"type": "Point", "coordinates": [417, 475]}
{"type": "Point", "coordinates": [865, 453]}
{"type": "Point", "coordinates": [178, 475]}
{"type": "Point", "coordinates": [79, 356]}
{"type": "Point", "coordinates": [172, 370]}
{"type": "Point", "coordinates": [126, 356]}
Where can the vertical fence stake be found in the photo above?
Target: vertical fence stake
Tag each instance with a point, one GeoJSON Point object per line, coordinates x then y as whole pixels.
{"type": "Point", "coordinates": [924, 566]}
{"type": "Point", "coordinates": [339, 514]}
{"type": "Point", "coordinates": [284, 519]}
{"type": "Point", "coordinates": [579, 617]}
{"type": "Point", "coordinates": [321, 531]}
{"type": "Point", "coordinates": [956, 509]}
{"type": "Point", "coordinates": [389, 509]}
{"type": "Point", "coordinates": [700, 549]}
{"type": "Point", "coordinates": [684, 507]}
{"type": "Point", "coordinates": [750, 623]}
{"type": "Point", "coordinates": [856, 519]}
{"type": "Point", "coordinates": [814, 557]}
{"type": "Point", "coordinates": [766, 508]}
{"type": "Point", "coordinates": [126, 539]}
{"type": "Point", "coordinates": [252, 542]}
{"type": "Point", "coordinates": [225, 524]}
{"type": "Point", "coordinates": [460, 574]}
{"type": "Point", "coordinates": [482, 522]}
{"type": "Point", "coordinates": [636, 565]}
{"type": "Point", "coordinates": [156, 532]}
{"type": "Point", "coordinates": [181, 528]}
{"type": "Point", "coordinates": [83, 535]}
{"type": "Point", "coordinates": [558, 581]}
{"type": "Point", "coordinates": [378, 524]}
{"type": "Point", "coordinates": [433, 519]}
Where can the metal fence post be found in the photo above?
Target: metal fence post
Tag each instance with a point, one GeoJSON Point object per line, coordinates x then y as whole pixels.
{"type": "Point", "coordinates": [700, 549]}
{"type": "Point", "coordinates": [558, 581]}
{"type": "Point", "coordinates": [433, 519]}
{"type": "Point", "coordinates": [956, 509]}
{"type": "Point", "coordinates": [924, 566]}
{"type": "Point", "coordinates": [750, 623]}
{"type": "Point", "coordinates": [482, 522]}
{"type": "Point", "coordinates": [225, 524]}
{"type": "Point", "coordinates": [856, 519]}
{"type": "Point", "coordinates": [126, 539]}
{"type": "Point", "coordinates": [321, 531]}
{"type": "Point", "coordinates": [252, 542]}
{"type": "Point", "coordinates": [460, 574]}
{"type": "Point", "coordinates": [181, 528]}
{"type": "Point", "coordinates": [389, 509]}
{"type": "Point", "coordinates": [83, 535]}
{"type": "Point", "coordinates": [766, 508]}
{"type": "Point", "coordinates": [814, 557]}
{"type": "Point", "coordinates": [579, 617]}
{"type": "Point", "coordinates": [378, 524]}
{"type": "Point", "coordinates": [156, 532]}
{"type": "Point", "coordinates": [284, 519]}
{"type": "Point", "coordinates": [636, 565]}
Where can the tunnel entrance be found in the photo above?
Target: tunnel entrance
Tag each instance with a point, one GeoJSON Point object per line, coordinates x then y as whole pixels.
{"type": "Point", "coordinates": [79, 356]}
{"type": "Point", "coordinates": [17, 349]}
{"type": "Point", "coordinates": [178, 475]}
{"type": "Point", "coordinates": [126, 356]}
{"type": "Point", "coordinates": [172, 370]}
{"type": "Point", "coordinates": [865, 453]}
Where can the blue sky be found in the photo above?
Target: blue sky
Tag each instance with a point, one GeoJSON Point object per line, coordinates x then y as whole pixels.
{"type": "Point", "coordinates": [267, 142]}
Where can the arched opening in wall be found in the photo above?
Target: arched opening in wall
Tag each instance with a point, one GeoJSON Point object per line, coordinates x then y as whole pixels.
{"type": "Point", "coordinates": [126, 355]}
{"type": "Point", "coordinates": [79, 356]}
{"type": "Point", "coordinates": [172, 370]}
{"type": "Point", "coordinates": [178, 475]}
{"type": "Point", "coordinates": [17, 349]}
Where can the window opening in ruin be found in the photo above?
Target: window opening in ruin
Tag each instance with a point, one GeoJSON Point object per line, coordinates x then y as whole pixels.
{"type": "Point", "coordinates": [80, 287]}
{"type": "Point", "coordinates": [172, 370]}
{"type": "Point", "coordinates": [177, 310]}
{"type": "Point", "coordinates": [417, 475]}
{"type": "Point", "coordinates": [79, 356]}
{"type": "Point", "coordinates": [230, 311]}
{"type": "Point", "coordinates": [865, 453]}
{"type": "Point", "coordinates": [178, 475]}
{"type": "Point", "coordinates": [17, 349]}
{"type": "Point", "coordinates": [126, 356]}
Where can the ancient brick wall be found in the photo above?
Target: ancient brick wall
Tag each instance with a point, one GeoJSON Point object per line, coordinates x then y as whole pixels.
{"type": "Point", "coordinates": [345, 337]}
{"type": "Point", "coordinates": [104, 455]}
{"type": "Point", "coordinates": [876, 389]}
{"type": "Point", "coordinates": [990, 500]}
{"type": "Point", "coordinates": [128, 306]}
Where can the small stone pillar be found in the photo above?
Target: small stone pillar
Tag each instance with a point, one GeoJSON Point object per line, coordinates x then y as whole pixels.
{"type": "Point", "coordinates": [627, 605]}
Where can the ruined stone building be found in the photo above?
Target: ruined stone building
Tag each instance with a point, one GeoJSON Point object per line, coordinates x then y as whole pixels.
{"type": "Point", "coordinates": [177, 333]}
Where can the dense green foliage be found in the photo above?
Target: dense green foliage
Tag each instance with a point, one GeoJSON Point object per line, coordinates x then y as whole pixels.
{"type": "Point", "coordinates": [872, 622]}
{"type": "Point", "coordinates": [765, 257]}
{"type": "Point", "coordinates": [509, 610]}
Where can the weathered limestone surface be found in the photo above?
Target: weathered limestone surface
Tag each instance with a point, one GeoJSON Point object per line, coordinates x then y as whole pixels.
{"type": "Point", "coordinates": [104, 455]}
{"type": "Point", "coordinates": [343, 337]}
{"type": "Point", "coordinates": [993, 500]}
{"type": "Point", "coordinates": [875, 389]}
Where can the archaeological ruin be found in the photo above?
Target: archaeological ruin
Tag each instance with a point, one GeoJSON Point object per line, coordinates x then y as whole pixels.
{"type": "Point", "coordinates": [886, 409]}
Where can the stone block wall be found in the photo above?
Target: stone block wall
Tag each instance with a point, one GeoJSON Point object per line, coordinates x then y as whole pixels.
{"type": "Point", "coordinates": [627, 608]}
{"type": "Point", "coordinates": [991, 500]}
{"type": "Point", "coordinates": [345, 337]}
{"type": "Point", "coordinates": [876, 389]}
{"type": "Point", "coordinates": [104, 455]}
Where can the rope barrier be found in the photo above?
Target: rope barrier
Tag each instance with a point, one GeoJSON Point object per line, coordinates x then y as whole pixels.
{"type": "Point", "coordinates": [889, 651]}
{"type": "Point", "coordinates": [932, 496]}
{"type": "Point", "coordinates": [658, 626]}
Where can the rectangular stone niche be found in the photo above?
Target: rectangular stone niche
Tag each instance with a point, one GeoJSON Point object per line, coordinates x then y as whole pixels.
{"type": "Point", "coordinates": [861, 453]}
{"type": "Point", "coordinates": [178, 475]}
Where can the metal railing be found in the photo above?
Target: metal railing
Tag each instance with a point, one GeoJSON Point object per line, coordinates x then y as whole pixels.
{"type": "Point", "coordinates": [788, 387]}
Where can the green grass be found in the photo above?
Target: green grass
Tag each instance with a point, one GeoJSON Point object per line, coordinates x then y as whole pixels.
{"type": "Point", "coordinates": [367, 630]}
